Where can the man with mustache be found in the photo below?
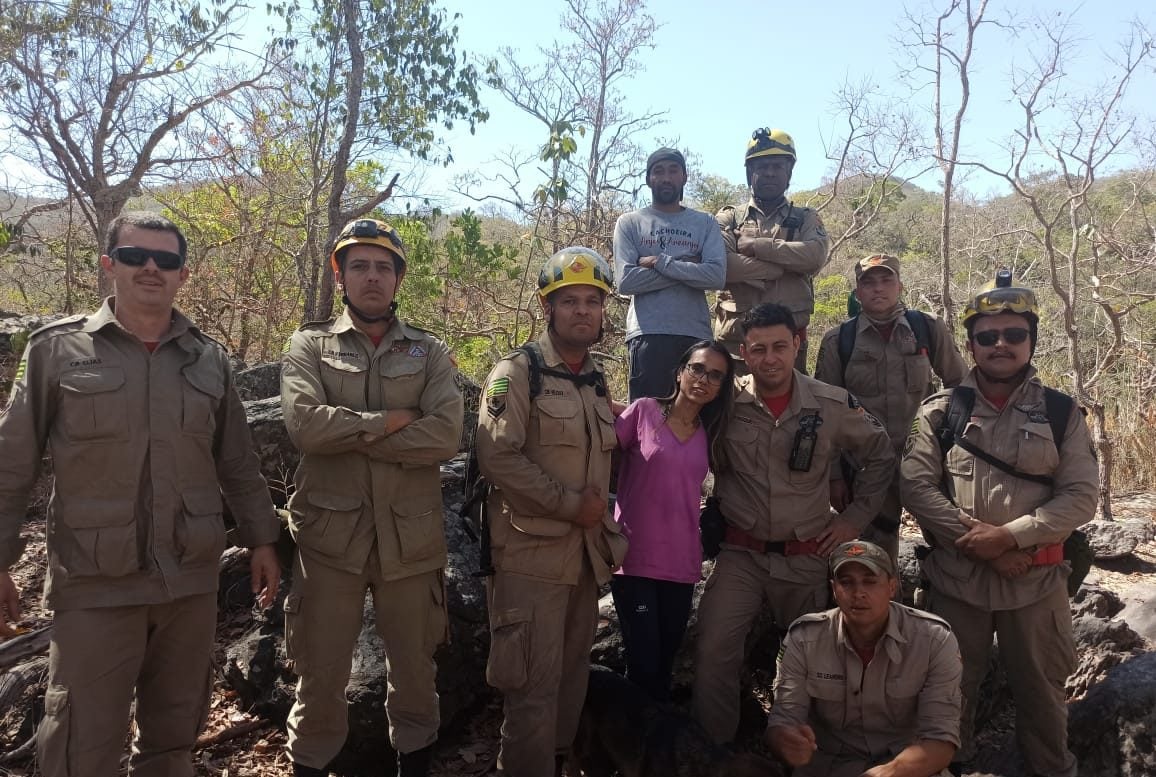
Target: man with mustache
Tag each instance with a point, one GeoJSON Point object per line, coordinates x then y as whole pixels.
{"type": "Point", "coordinates": [667, 257]}
{"type": "Point", "coordinates": [997, 502]}
{"type": "Point", "coordinates": [148, 441]}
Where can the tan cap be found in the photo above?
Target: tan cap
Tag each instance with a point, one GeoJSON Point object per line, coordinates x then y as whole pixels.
{"type": "Point", "coordinates": [868, 554]}
{"type": "Point", "coordinates": [886, 261]}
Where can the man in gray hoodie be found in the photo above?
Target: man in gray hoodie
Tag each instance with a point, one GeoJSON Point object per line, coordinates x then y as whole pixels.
{"type": "Point", "coordinates": [667, 257]}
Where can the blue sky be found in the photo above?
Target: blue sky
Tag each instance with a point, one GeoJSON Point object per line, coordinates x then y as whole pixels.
{"type": "Point", "coordinates": [722, 69]}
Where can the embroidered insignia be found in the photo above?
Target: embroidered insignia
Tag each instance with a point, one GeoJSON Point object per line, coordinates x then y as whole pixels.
{"type": "Point", "coordinates": [417, 351]}
{"type": "Point", "coordinates": [1037, 416]}
{"type": "Point", "coordinates": [399, 348]}
{"type": "Point", "coordinates": [854, 550]}
{"type": "Point", "coordinates": [21, 368]}
{"type": "Point", "coordinates": [496, 405]}
{"type": "Point", "coordinates": [498, 387]}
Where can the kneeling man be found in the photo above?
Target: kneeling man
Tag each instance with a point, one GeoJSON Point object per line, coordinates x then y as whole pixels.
{"type": "Point", "coordinates": [870, 688]}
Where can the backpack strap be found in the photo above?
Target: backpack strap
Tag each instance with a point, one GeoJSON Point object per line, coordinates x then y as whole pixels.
{"type": "Point", "coordinates": [921, 327]}
{"type": "Point", "coordinates": [1058, 406]}
{"type": "Point", "coordinates": [848, 330]}
{"type": "Point", "coordinates": [537, 369]}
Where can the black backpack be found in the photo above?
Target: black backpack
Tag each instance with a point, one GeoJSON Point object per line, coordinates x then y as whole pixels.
{"type": "Point", "coordinates": [919, 322]}
{"type": "Point", "coordinates": [476, 488]}
{"type": "Point", "coordinates": [1058, 408]}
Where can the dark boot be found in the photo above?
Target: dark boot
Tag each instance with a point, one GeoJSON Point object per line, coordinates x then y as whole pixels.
{"type": "Point", "coordinates": [308, 771]}
{"type": "Point", "coordinates": [559, 763]}
{"type": "Point", "coordinates": [415, 764]}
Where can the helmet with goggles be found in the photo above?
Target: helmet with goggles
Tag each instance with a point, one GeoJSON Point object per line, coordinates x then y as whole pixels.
{"type": "Point", "coordinates": [1003, 296]}
{"type": "Point", "coordinates": [368, 232]}
{"type": "Point", "coordinates": [574, 266]}
{"type": "Point", "coordinates": [770, 142]}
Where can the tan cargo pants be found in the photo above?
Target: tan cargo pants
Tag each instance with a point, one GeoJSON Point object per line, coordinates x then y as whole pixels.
{"type": "Point", "coordinates": [736, 592]}
{"type": "Point", "coordinates": [96, 659]}
{"type": "Point", "coordinates": [1038, 653]}
{"type": "Point", "coordinates": [540, 638]}
{"type": "Point", "coordinates": [323, 618]}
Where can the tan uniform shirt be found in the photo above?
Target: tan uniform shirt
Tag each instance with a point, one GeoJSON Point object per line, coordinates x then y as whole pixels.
{"type": "Point", "coordinates": [781, 270]}
{"type": "Point", "coordinates": [908, 692]}
{"type": "Point", "coordinates": [762, 495]}
{"type": "Point", "coordinates": [354, 485]}
{"type": "Point", "coordinates": [539, 456]}
{"type": "Point", "coordinates": [143, 447]}
{"type": "Point", "coordinates": [1035, 514]}
{"type": "Point", "coordinates": [891, 378]}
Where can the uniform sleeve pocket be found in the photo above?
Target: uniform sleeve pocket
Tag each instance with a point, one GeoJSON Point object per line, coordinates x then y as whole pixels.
{"type": "Point", "coordinates": [508, 664]}
{"type": "Point", "coordinates": [92, 406]}
{"type": "Point", "coordinates": [420, 530]}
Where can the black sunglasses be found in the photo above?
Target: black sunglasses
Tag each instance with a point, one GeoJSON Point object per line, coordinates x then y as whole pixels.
{"type": "Point", "coordinates": [713, 377]}
{"type": "Point", "coordinates": [138, 257]}
{"type": "Point", "coordinates": [1012, 336]}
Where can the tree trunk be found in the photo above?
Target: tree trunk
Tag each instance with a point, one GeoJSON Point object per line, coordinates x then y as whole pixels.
{"type": "Point", "coordinates": [1105, 448]}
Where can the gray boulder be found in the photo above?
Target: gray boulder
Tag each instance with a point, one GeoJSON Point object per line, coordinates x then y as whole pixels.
{"type": "Point", "coordinates": [1116, 539]}
{"type": "Point", "coordinates": [1113, 730]}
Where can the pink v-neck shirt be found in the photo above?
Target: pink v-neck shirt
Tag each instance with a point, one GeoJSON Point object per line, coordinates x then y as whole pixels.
{"type": "Point", "coordinates": [659, 484]}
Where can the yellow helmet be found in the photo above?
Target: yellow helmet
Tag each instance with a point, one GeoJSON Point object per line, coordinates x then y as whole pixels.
{"type": "Point", "coordinates": [1000, 296]}
{"type": "Point", "coordinates": [770, 142]}
{"type": "Point", "coordinates": [574, 266]}
{"type": "Point", "coordinates": [368, 232]}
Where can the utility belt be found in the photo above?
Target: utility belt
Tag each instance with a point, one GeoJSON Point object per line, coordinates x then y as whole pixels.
{"type": "Point", "coordinates": [735, 536]}
{"type": "Point", "coordinates": [1048, 555]}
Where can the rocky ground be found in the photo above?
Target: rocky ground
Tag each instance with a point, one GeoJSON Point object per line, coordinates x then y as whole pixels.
{"type": "Point", "coordinates": [238, 741]}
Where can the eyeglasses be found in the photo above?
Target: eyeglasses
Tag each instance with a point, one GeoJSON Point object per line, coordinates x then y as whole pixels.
{"type": "Point", "coordinates": [138, 257]}
{"type": "Point", "coordinates": [1012, 336]}
{"type": "Point", "coordinates": [698, 372]}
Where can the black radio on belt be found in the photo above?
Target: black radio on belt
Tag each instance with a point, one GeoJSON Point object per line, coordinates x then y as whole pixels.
{"type": "Point", "coordinates": [803, 451]}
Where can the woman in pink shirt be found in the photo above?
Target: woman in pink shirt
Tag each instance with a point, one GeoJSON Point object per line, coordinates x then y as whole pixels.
{"type": "Point", "coordinates": [667, 446]}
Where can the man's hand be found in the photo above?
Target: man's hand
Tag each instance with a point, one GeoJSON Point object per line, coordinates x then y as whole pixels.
{"type": "Point", "coordinates": [984, 542]}
{"type": "Point", "coordinates": [794, 744]}
{"type": "Point", "coordinates": [647, 261]}
{"type": "Point", "coordinates": [839, 492]}
{"type": "Point", "coordinates": [9, 606]}
{"type": "Point", "coordinates": [264, 574]}
{"type": "Point", "coordinates": [837, 532]}
{"type": "Point", "coordinates": [398, 419]}
{"type": "Point", "coordinates": [747, 244]}
{"type": "Point", "coordinates": [592, 509]}
{"type": "Point", "coordinates": [1012, 564]}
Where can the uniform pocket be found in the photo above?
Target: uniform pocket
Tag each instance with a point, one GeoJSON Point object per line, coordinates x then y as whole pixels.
{"type": "Point", "coordinates": [201, 395]}
{"type": "Point", "coordinates": [918, 368]}
{"type": "Point", "coordinates": [558, 422]}
{"type": "Point", "coordinates": [606, 425]}
{"type": "Point", "coordinates": [294, 644]}
{"type": "Point", "coordinates": [420, 530]}
{"type": "Point", "coordinates": [104, 538]}
{"type": "Point", "coordinates": [437, 632]}
{"type": "Point", "coordinates": [508, 666]}
{"type": "Point", "coordinates": [403, 377]}
{"type": "Point", "coordinates": [742, 443]}
{"type": "Point", "coordinates": [1037, 454]}
{"type": "Point", "coordinates": [327, 521]}
{"type": "Point", "coordinates": [829, 698]}
{"type": "Point", "coordinates": [53, 740]}
{"type": "Point", "coordinates": [92, 405]}
{"type": "Point", "coordinates": [862, 374]}
{"type": "Point", "coordinates": [200, 532]}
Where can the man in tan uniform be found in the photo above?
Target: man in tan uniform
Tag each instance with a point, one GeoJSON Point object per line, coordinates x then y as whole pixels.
{"type": "Point", "coordinates": [547, 458]}
{"type": "Point", "coordinates": [785, 432]}
{"type": "Point", "coordinates": [146, 433]}
{"type": "Point", "coordinates": [997, 560]}
{"type": "Point", "coordinates": [870, 687]}
{"type": "Point", "coordinates": [774, 247]}
{"type": "Point", "coordinates": [371, 403]}
{"type": "Point", "coordinates": [889, 366]}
